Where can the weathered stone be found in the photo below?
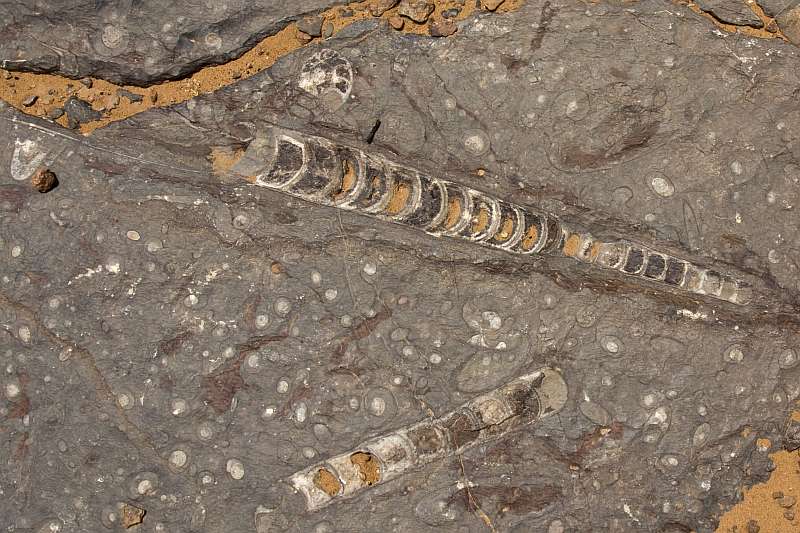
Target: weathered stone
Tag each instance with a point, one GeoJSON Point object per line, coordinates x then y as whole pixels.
{"type": "Point", "coordinates": [44, 180]}
{"type": "Point", "coordinates": [737, 13]}
{"type": "Point", "coordinates": [311, 25]}
{"type": "Point", "coordinates": [379, 7]}
{"type": "Point", "coordinates": [184, 339]}
{"type": "Point", "coordinates": [138, 42]}
{"type": "Point", "coordinates": [443, 28]}
{"type": "Point", "coordinates": [80, 111]}
{"type": "Point", "coordinates": [416, 10]}
{"type": "Point", "coordinates": [491, 5]}
{"type": "Point", "coordinates": [789, 23]}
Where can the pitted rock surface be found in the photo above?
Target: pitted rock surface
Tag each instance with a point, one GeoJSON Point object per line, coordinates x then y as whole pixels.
{"type": "Point", "coordinates": [177, 340]}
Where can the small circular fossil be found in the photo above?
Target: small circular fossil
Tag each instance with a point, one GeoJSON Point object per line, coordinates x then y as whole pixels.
{"type": "Point", "coordinates": [476, 142]}
{"type": "Point", "coordinates": [573, 104]}
{"type": "Point", "coordinates": [113, 37]}
{"type": "Point", "coordinates": [662, 186]}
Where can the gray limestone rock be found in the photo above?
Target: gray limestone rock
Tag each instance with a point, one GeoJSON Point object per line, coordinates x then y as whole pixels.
{"type": "Point", "coordinates": [177, 339]}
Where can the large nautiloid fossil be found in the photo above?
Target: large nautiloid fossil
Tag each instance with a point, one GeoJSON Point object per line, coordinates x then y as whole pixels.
{"type": "Point", "coordinates": [487, 417]}
{"type": "Point", "coordinates": [345, 177]}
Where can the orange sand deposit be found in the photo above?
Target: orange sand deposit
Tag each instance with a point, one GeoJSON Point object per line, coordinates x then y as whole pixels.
{"type": "Point", "coordinates": [53, 91]}
{"type": "Point", "coordinates": [766, 505]}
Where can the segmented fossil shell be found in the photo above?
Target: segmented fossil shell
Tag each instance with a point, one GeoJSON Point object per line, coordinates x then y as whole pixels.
{"type": "Point", "coordinates": [487, 417]}
{"type": "Point", "coordinates": [320, 171]}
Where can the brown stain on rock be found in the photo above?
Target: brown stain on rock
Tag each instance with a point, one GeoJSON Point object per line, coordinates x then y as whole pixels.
{"type": "Point", "coordinates": [515, 500]}
{"type": "Point", "coordinates": [368, 467]}
{"type": "Point", "coordinates": [21, 405]}
{"type": "Point", "coordinates": [52, 91]}
{"type": "Point", "coordinates": [223, 158]}
{"type": "Point", "coordinates": [221, 386]}
{"type": "Point", "coordinates": [462, 430]}
{"type": "Point", "coordinates": [362, 330]}
{"type": "Point", "coordinates": [634, 129]}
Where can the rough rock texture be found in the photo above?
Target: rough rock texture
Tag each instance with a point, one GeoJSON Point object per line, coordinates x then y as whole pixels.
{"type": "Point", "coordinates": [775, 7]}
{"type": "Point", "coordinates": [737, 13]}
{"type": "Point", "coordinates": [177, 340]}
{"type": "Point", "coordinates": [136, 42]}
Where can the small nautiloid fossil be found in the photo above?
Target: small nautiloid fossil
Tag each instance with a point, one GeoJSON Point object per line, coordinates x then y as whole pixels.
{"type": "Point", "coordinates": [332, 174]}
{"type": "Point", "coordinates": [487, 417]}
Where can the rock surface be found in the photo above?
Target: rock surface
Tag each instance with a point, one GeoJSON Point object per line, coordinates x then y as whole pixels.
{"type": "Point", "coordinates": [177, 340]}
{"type": "Point", "coordinates": [137, 42]}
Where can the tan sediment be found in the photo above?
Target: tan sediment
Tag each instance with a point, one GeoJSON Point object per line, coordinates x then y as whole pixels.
{"type": "Point", "coordinates": [399, 198]}
{"type": "Point", "coordinates": [506, 229]}
{"type": "Point", "coordinates": [529, 240]}
{"type": "Point", "coordinates": [368, 467]}
{"type": "Point", "coordinates": [348, 180]}
{"type": "Point", "coordinates": [53, 91]}
{"type": "Point", "coordinates": [481, 221]}
{"type": "Point", "coordinates": [327, 482]}
{"type": "Point", "coordinates": [594, 251]}
{"type": "Point", "coordinates": [572, 245]}
{"type": "Point", "coordinates": [453, 213]}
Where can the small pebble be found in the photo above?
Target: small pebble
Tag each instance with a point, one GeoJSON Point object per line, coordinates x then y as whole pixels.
{"type": "Point", "coordinates": [416, 10]}
{"type": "Point", "coordinates": [379, 7]}
{"type": "Point", "coordinates": [788, 501]}
{"type": "Point", "coordinates": [131, 515]}
{"type": "Point", "coordinates": [133, 97]}
{"type": "Point", "coordinates": [44, 180]}
{"type": "Point", "coordinates": [396, 22]}
{"type": "Point", "coordinates": [491, 5]}
{"type": "Point", "coordinates": [311, 25]}
{"type": "Point", "coordinates": [79, 111]}
{"type": "Point", "coordinates": [29, 101]}
{"type": "Point", "coordinates": [443, 28]}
